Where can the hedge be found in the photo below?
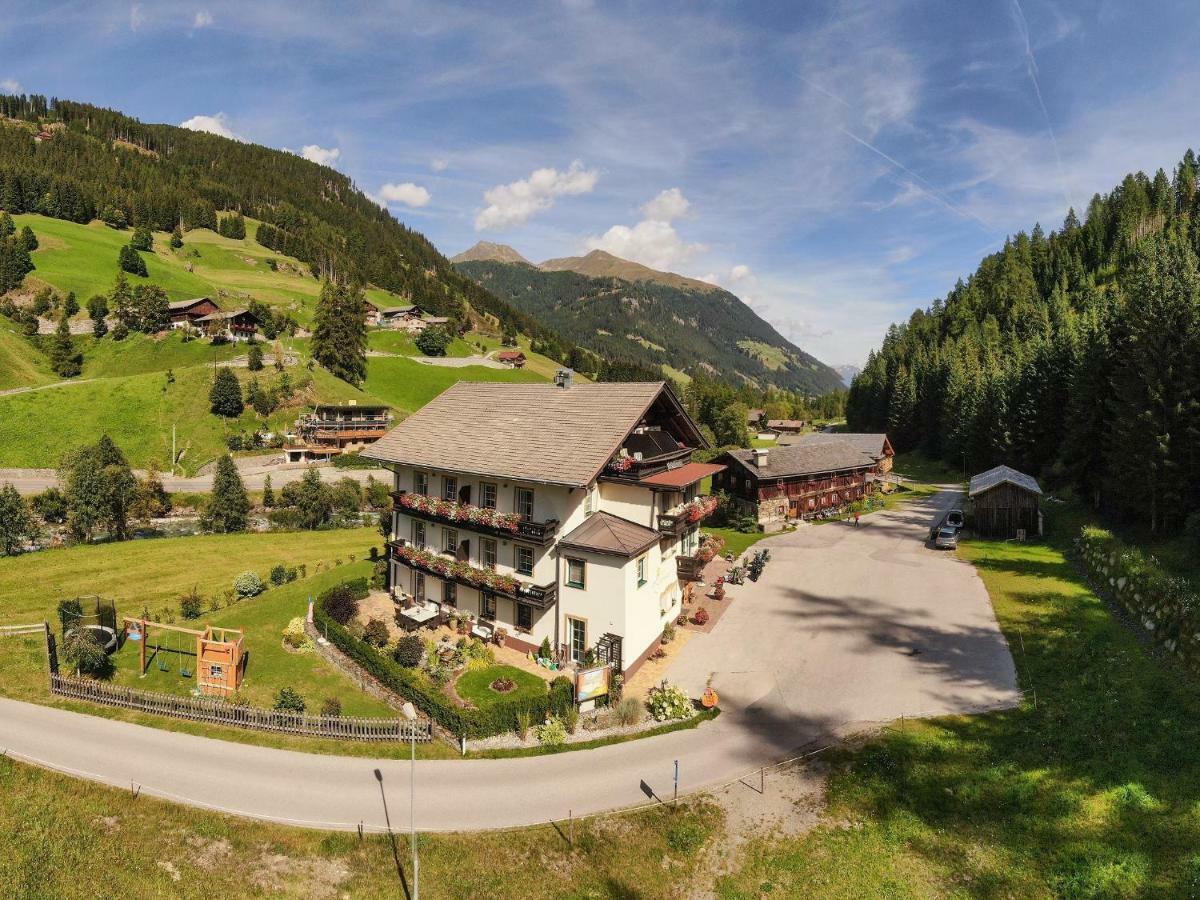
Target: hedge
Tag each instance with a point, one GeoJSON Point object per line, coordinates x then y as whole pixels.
{"type": "Point", "coordinates": [1166, 606]}
{"type": "Point", "coordinates": [414, 686]}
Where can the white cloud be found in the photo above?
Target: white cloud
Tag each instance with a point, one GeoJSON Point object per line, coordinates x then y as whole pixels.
{"type": "Point", "coordinates": [653, 241]}
{"type": "Point", "coordinates": [901, 254]}
{"type": "Point", "coordinates": [137, 17]}
{"type": "Point", "coordinates": [202, 19]}
{"type": "Point", "coordinates": [218, 124]}
{"type": "Point", "coordinates": [738, 272]}
{"type": "Point", "coordinates": [10, 86]}
{"type": "Point", "coordinates": [407, 193]}
{"type": "Point", "coordinates": [320, 155]}
{"type": "Point", "coordinates": [667, 206]}
{"type": "Point", "coordinates": [439, 164]}
{"type": "Point", "coordinates": [711, 278]}
{"type": "Point", "coordinates": [515, 203]}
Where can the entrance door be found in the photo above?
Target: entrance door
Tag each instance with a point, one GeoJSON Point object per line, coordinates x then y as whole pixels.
{"type": "Point", "coordinates": [577, 639]}
{"type": "Point", "coordinates": [419, 586]}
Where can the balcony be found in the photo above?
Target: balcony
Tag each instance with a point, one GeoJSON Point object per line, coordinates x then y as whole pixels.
{"type": "Point", "coordinates": [475, 518]}
{"type": "Point", "coordinates": [446, 567]}
{"type": "Point", "coordinates": [676, 521]}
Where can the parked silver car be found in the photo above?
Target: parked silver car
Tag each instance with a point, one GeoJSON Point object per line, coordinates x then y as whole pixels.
{"type": "Point", "coordinates": [947, 539]}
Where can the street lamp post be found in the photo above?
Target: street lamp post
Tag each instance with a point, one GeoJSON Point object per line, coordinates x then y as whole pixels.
{"type": "Point", "coordinates": [410, 714]}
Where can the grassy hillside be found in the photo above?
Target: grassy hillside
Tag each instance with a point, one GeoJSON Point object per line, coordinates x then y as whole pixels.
{"type": "Point", "coordinates": [83, 259]}
{"type": "Point", "coordinates": [21, 364]}
{"type": "Point", "coordinates": [410, 385]}
{"type": "Point", "coordinates": [140, 353]}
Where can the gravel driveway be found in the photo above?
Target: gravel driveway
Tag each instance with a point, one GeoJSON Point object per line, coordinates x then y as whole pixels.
{"type": "Point", "coordinates": [854, 625]}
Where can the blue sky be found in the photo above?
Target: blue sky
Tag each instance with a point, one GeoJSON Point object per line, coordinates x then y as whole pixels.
{"type": "Point", "coordinates": [835, 164]}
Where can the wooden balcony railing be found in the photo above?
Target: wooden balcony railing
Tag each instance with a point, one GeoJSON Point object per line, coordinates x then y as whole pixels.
{"type": "Point", "coordinates": [690, 568]}
{"type": "Point", "coordinates": [444, 566]}
{"type": "Point", "coordinates": [689, 514]}
{"type": "Point", "coordinates": [475, 518]}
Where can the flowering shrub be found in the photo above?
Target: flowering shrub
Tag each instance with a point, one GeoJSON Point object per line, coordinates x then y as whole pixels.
{"type": "Point", "coordinates": [669, 702]}
{"type": "Point", "coordinates": [461, 512]}
{"type": "Point", "coordinates": [701, 616]}
{"type": "Point", "coordinates": [621, 464]}
{"type": "Point", "coordinates": [248, 584]}
{"type": "Point", "coordinates": [296, 638]}
{"type": "Point", "coordinates": [700, 508]}
{"type": "Point", "coordinates": [553, 733]}
{"type": "Point", "coordinates": [448, 568]}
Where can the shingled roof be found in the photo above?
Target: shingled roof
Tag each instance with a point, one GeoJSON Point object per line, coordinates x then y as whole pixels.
{"type": "Point", "coordinates": [791, 460]}
{"type": "Point", "coordinates": [603, 532]}
{"type": "Point", "coordinates": [874, 445]}
{"type": "Point", "coordinates": [528, 432]}
{"type": "Point", "coordinates": [985, 481]}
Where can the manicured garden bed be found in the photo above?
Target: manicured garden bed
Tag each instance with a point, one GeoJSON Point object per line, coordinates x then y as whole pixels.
{"type": "Point", "coordinates": [476, 687]}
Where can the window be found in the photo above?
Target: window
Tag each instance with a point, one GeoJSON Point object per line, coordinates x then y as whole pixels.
{"type": "Point", "coordinates": [577, 634]}
{"type": "Point", "coordinates": [419, 535]}
{"type": "Point", "coordinates": [419, 586]}
{"type": "Point", "coordinates": [450, 540]}
{"type": "Point", "coordinates": [641, 571]}
{"type": "Point", "coordinates": [450, 593]}
{"type": "Point", "coordinates": [449, 488]}
{"type": "Point", "coordinates": [575, 573]}
{"type": "Point", "coordinates": [487, 495]}
{"type": "Point", "coordinates": [525, 503]}
{"type": "Point", "coordinates": [487, 553]}
{"type": "Point", "coordinates": [524, 616]}
{"type": "Point", "coordinates": [420, 482]}
{"type": "Point", "coordinates": [487, 605]}
{"type": "Point", "coordinates": [523, 559]}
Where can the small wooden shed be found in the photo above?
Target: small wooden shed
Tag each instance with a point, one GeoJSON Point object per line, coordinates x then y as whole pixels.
{"type": "Point", "coordinates": [1005, 503]}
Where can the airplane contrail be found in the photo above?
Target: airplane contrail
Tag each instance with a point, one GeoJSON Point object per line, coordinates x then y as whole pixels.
{"type": "Point", "coordinates": [925, 186]}
{"type": "Point", "coordinates": [1031, 64]}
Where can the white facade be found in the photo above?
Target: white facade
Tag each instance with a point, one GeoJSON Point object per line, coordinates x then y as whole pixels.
{"type": "Point", "coordinates": [631, 597]}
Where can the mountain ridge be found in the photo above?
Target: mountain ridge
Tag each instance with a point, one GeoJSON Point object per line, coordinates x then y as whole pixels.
{"type": "Point", "coordinates": [602, 264]}
{"type": "Point", "coordinates": [487, 251]}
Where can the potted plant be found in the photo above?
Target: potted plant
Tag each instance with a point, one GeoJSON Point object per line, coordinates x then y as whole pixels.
{"type": "Point", "coordinates": [499, 636]}
{"type": "Point", "coordinates": [701, 616]}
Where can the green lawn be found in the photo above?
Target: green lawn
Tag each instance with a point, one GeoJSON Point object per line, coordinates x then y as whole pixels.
{"type": "Point", "coordinates": [155, 572]}
{"type": "Point", "coordinates": [388, 341]}
{"type": "Point", "coordinates": [475, 687]}
{"type": "Point", "coordinates": [919, 467]}
{"type": "Point", "coordinates": [1091, 791]}
{"type": "Point", "coordinates": [736, 542]}
{"type": "Point", "coordinates": [269, 667]}
{"type": "Point", "coordinates": [409, 385]}
{"type": "Point", "coordinates": [157, 849]}
{"type": "Point", "coordinates": [139, 354]}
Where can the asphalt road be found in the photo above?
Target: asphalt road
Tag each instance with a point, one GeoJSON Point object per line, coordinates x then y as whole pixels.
{"type": "Point", "coordinates": [820, 645]}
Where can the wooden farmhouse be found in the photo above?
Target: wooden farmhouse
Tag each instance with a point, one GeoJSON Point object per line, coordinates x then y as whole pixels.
{"type": "Point", "coordinates": [797, 481]}
{"type": "Point", "coordinates": [235, 325]}
{"type": "Point", "coordinates": [514, 358]}
{"type": "Point", "coordinates": [186, 313]}
{"type": "Point", "coordinates": [1005, 503]}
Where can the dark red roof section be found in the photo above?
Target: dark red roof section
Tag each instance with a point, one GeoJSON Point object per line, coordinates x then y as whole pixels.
{"type": "Point", "coordinates": [685, 475]}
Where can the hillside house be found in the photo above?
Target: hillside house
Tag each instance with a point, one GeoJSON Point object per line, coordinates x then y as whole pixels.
{"type": "Point", "coordinates": [514, 358]}
{"type": "Point", "coordinates": [1004, 503]}
{"type": "Point", "coordinates": [373, 314]}
{"type": "Point", "coordinates": [186, 313]}
{"type": "Point", "coordinates": [331, 429]}
{"type": "Point", "coordinates": [786, 426]}
{"type": "Point", "coordinates": [405, 318]}
{"type": "Point", "coordinates": [792, 482]}
{"type": "Point", "coordinates": [565, 512]}
{"type": "Point", "coordinates": [235, 325]}
{"type": "Point", "coordinates": [876, 446]}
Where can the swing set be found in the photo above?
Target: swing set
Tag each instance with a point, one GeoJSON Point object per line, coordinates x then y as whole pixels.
{"type": "Point", "coordinates": [220, 653]}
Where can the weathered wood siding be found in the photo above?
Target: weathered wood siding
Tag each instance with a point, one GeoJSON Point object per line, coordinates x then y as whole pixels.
{"type": "Point", "coordinates": [1004, 509]}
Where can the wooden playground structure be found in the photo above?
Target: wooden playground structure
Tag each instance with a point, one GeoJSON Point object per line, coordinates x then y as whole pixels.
{"type": "Point", "coordinates": [220, 653]}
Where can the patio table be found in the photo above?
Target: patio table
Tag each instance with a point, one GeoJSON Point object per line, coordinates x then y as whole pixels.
{"type": "Point", "coordinates": [420, 615]}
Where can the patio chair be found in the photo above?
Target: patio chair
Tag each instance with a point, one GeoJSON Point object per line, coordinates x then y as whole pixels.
{"type": "Point", "coordinates": [484, 631]}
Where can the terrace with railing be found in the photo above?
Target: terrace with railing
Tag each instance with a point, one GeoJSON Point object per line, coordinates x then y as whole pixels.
{"type": "Point", "coordinates": [679, 519]}
{"type": "Point", "coordinates": [446, 567]}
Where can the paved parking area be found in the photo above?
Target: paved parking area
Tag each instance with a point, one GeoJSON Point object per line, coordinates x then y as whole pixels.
{"type": "Point", "coordinates": [854, 625]}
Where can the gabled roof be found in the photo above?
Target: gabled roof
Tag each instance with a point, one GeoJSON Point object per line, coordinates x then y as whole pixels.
{"type": "Point", "coordinates": [603, 532]}
{"type": "Point", "coordinates": [785, 423]}
{"type": "Point", "coordinates": [791, 460]}
{"type": "Point", "coordinates": [985, 481]}
{"type": "Point", "coordinates": [528, 432]}
{"type": "Point", "coordinates": [874, 445]}
{"type": "Point", "coordinates": [510, 354]}
{"type": "Point", "coordinates": [222, 316]}
{"type": "Point", "coordinates": [684, 476]}
{"type": "Point", "coordinates": [398, 310]}
{"type": "Point", "coordinates": [181, 305]}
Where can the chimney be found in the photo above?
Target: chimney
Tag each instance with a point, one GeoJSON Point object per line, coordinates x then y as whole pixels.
{"type": "Point", "coordinates": [562, 378]}
{"type": "Point", "coordinates": [760, 457]}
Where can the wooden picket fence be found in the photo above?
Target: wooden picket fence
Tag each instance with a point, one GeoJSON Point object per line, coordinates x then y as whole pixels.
{"type": "Point", "coordinates": [220, 712]}
{"type": "Point", "coordinates": [14, 630]}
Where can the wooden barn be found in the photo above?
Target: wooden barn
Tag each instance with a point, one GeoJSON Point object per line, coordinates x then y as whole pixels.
{"type": "Point", "coordinates": [1005, 503]}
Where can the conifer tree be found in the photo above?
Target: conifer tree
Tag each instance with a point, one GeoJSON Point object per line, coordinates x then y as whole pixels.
{"type": "Point", "coordinates": [254, 358]}
{"type": "Point", "coordinates": [228, 506]}
{"type": "Point", "coordinates": [176, 238]}
{"type": "Point", "coordinates": [17, 524]}
{"type": "Point", "coordinates": [225, 396]}
{"type": "Point", "coordinates": [7, 227]}
{"type": "Point", "coordinates": [131, 261]}
{"type": "Point", "coordinates": [65, 361]}
{"type": "Point", "coordinates": [268, 498]}
{"type": "Point", "coordinates": [28, 239]}
{"type": "Point", "coordinates": [339, 340]}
